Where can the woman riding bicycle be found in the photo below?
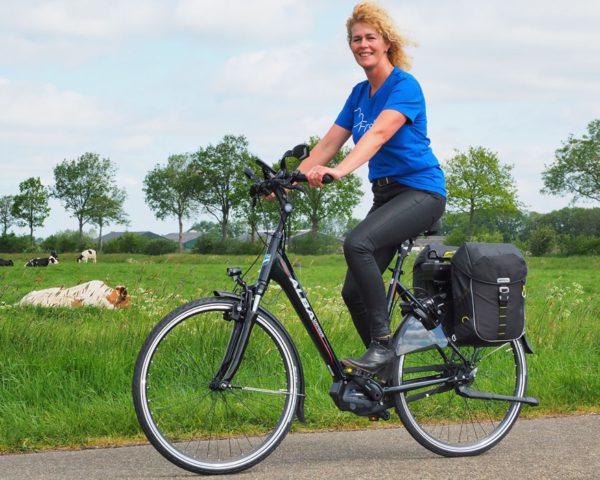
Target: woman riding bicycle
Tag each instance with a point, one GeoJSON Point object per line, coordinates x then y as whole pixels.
{"type": "Point", "coordinates": [387, 120]}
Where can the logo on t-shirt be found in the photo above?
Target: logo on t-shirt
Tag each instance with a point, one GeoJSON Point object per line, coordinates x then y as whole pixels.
{"type": "Point", "coordinates": [363, 125]}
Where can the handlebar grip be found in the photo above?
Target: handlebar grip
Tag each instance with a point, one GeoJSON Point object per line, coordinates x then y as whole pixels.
{"type": "Point", "coordinates": [300, 177]}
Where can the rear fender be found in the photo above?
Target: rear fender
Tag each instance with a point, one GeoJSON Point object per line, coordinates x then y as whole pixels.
{"type": "Point", "coordinates": [284, 332]}
{"type": "Point", "coordinates": [526, 345]}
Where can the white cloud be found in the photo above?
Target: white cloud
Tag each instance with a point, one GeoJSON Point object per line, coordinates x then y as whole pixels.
{"type": "Point", "coordinates": [507, 49]}
{"type": "Point", "coordinates": [241, 19]}
{"type": "Point", "coordinates": [35, 106]}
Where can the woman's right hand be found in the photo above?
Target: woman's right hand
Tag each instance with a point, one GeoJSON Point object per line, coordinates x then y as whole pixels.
{"type": "Point", "coordinates": [315, 175]}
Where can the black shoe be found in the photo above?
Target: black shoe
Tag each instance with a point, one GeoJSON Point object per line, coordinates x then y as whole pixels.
{"type": "Point", "coordinates": [377, 356]}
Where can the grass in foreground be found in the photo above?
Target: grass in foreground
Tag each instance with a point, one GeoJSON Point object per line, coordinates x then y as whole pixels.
{"type": "Point", "coordinates": [65, 374]}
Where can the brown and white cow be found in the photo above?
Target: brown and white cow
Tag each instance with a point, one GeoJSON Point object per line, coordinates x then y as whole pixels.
{"type": "Point", "coordinates": [93, 293]}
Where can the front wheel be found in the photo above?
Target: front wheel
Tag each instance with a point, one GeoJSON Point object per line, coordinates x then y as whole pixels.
{"type": "Point", "coordinates": [450, 424]}
{"type": "Point", "coordinates": [198, 425]}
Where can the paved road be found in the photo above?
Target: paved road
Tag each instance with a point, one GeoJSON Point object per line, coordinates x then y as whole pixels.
{"type": "Point", "coordinates": [554, 448]}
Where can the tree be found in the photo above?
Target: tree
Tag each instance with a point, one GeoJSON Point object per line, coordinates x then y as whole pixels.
{"type": "Point", "coordinates": [30, 206]}
{"type": "Point", "coordinates": [223, 184]}
{"type": "Point", "coordinates": [576, 167]}
{"type": "Point", "coordinates": [108, 208]}
{"type": "Point", "coordinates": [6, 216]}
{"type": "Point", "coordinates": [173, 190]}
{"type": "Point", "coordinates": [333, 202]}
{"type": "Point", "coordinates": [476, 181]}
{"type": "Point", "coordinates": [78, 183]}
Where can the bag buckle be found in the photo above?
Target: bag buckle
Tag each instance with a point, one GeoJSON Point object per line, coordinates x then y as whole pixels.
{"type": "Point", "coordinates": [503, 292]}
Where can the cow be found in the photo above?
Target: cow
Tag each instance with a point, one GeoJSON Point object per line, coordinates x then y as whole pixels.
{"type": "Point", "coordinates": [6, 263]}
{"type": "Point", "coordinates": [87, 255]}
{"type": "Point", "coordinates": [42, 262]}
{"type": "Point", "coordinates": [94, 293]}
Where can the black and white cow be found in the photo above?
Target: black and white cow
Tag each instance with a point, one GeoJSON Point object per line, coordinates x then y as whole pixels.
{"type": "Point", "coordinates": [6, 263]}
{"type": "Point", "coordinates": [87, 255]}
{"type": "Point", "coordinates": [42, 262]}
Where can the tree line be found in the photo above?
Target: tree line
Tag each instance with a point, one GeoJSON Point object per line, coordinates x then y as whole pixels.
{"type": "Point", "coordinates": [482, 195]}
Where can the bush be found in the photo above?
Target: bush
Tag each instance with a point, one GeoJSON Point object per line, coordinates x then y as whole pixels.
{"type": "Point", "coordinates": [10, 243]}
{"type": "Point", "coordinates": [209, 244]}
{"type": "Point", "coordinates": [489, 237]}
{"type": "Point", "coordinates": [541, 241]}
{"type": "Point", "coordinates": [579, 245]}
{"type": "Point", "coordinates": [127, 243]}
{"type": "Point", "coordinates": [204, 244]}
{"type": "Point", "coordinates": [456, 237]}
{"type": "Point", "coordinates": [315, 244]}
{"type": "Point", "coordinates": [160, 247]}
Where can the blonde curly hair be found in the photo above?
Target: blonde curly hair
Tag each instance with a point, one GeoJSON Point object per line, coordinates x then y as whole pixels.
{"type": "Point", "coordinates": [376, 17]}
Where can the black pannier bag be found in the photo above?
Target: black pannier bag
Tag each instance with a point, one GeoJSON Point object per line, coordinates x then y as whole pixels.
{"type": "Point", "coordinates": [488, 281]}
{"type": "Point", "coordinates": [432, 275]}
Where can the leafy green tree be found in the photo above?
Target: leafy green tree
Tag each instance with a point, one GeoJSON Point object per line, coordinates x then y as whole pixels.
{"type": "Point", "coordinates": [333, 202]}
{"type": "Point", "coordinates": [79, 183]}
{"type": "Point", "coordinates": [206, 227]}
{"type": "Point", "coordinates": [6, 216]}
{"type": "Point", "coordinates": [219, 169]}
{"type": "Point", "coordinates": [107, 209]}
{"type": "Point", "coordinates": [30, 206]}
{"type": "Point", "coordinates": [576, 167]}
{"type": "Point", "coordinates": [476, 181]}
{"type": "Point", "coordinates": [173, 190]}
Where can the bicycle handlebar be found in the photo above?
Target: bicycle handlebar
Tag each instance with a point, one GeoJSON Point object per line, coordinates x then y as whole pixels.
{"type": "Point", "coordinates": [283, 179]}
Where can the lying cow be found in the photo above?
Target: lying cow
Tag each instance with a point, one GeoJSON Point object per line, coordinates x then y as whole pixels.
{"type": "Point", "coordinates": [6, 263]}
{"type": "Point", "coordinates": [42, 262]}
{"type": "Point", "coordinates": [94, 293]}
{"type": "Point", "coordinates": [87, 255]}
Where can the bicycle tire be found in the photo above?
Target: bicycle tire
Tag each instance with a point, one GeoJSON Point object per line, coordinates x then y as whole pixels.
{"type": "Point", "coordinates": [203, 430]}
{"type": "Point", "coordinates": [449, 424]}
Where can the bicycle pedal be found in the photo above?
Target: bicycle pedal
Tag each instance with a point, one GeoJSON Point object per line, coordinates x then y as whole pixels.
{"type": "Point", "coordinates": [385, 415]}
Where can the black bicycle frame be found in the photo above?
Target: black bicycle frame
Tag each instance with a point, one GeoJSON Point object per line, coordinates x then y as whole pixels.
{"type": "Point", "coordinates": [276, 266]}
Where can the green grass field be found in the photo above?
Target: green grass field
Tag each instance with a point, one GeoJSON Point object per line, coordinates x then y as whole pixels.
{"type": "Point", "coordinates": [65, 374]}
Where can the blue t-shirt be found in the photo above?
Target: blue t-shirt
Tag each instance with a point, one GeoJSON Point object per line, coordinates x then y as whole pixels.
{"type": "Point", "coordinates": [406, 156]}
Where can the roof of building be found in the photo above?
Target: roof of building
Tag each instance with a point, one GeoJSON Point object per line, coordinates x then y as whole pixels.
{"type": "Point", "coordinates": [113, 235]}
{"type": "Point", "coordinates": [186, 236]}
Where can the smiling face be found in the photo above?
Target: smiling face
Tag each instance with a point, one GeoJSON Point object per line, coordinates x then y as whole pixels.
{"type": "Point", "coordinates": [368, 46]}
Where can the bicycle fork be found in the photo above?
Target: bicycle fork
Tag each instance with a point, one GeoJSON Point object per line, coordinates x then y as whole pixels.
{"type": "Point", "coordinates": [242, 316]}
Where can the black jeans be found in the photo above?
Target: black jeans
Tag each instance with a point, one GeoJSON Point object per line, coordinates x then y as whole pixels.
{"type": "Point", "coordinates": [398, 213]}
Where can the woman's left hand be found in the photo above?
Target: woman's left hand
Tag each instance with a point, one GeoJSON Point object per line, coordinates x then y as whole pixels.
{"type": "Point", "coordinates": [316, 173]}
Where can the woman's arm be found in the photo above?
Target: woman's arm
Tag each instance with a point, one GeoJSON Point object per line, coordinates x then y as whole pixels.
{"type": "Point", "coordinates": [386, 125]}
{"type": "Point", "coordinates": [326, 149]}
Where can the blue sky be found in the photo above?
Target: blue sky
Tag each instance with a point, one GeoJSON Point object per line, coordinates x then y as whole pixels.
{"type": "Point", "coordinates": [138, 80]}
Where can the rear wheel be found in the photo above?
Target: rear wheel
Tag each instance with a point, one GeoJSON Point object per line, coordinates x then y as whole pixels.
{"type": "Point", "coordinates": [450, 424]}
{"type": "Point", "coordinates": [201, 426]}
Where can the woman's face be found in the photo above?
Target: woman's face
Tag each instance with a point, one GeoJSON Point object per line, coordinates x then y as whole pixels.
{"type": "Point", "coordinates": [368, 46]}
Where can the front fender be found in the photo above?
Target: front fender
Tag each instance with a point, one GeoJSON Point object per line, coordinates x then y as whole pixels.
{"type": "Point", "coordinates": [284, 332]}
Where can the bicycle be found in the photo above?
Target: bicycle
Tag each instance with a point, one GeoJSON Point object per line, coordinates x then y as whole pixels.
{"type": "Point", "coordinates": [219, 381]}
